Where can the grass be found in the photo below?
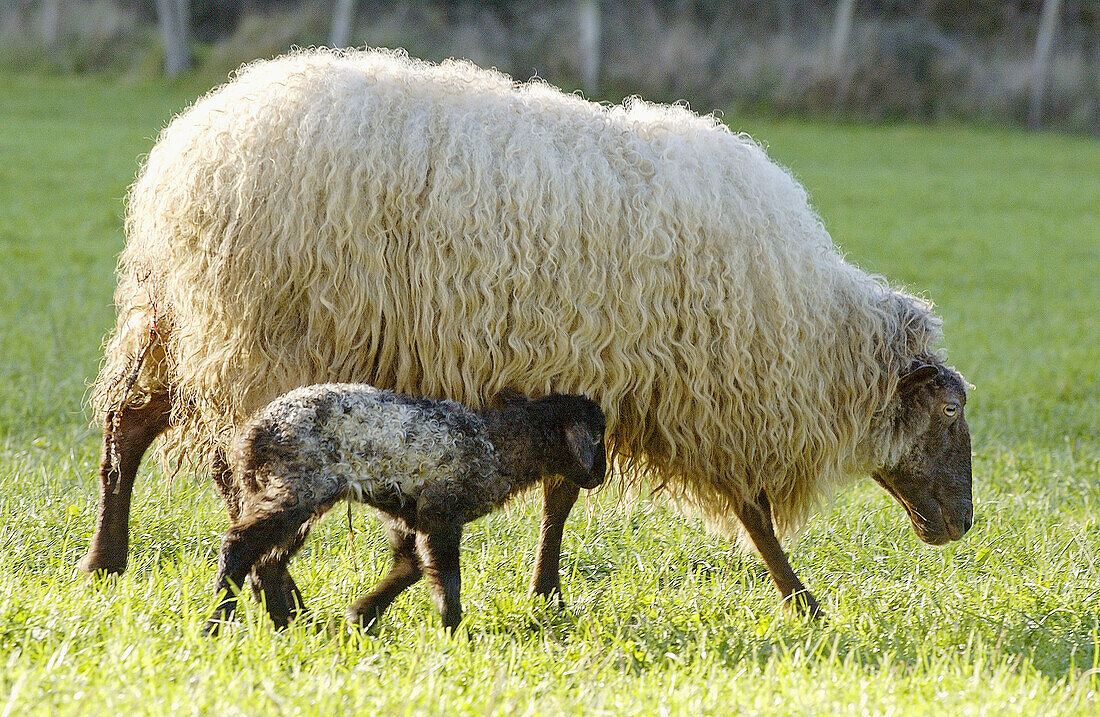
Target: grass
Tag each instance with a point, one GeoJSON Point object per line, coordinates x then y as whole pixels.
{"type": "Point", "coordinates": [1001, 228]}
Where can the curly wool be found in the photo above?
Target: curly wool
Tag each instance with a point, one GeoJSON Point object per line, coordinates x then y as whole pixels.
{"type": "Point", "coordinates": [443, 230]}
{"type": "Point", "coordinates": [357, 442]}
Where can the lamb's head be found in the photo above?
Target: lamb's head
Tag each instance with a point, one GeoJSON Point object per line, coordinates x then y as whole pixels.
{"type": "Point", "coordinates": [930, 475]}
{"type": "Point", "coordinates": [570, 433]}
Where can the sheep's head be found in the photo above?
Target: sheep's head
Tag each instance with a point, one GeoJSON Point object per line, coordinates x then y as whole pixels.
{"type": "Point", "coordinates": [572, 430]}
{"type": "Point", "coordinates": [931, 480]}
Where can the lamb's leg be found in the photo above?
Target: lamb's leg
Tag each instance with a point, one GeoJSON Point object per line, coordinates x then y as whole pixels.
{"type": "Point", "coordinates": [757, 519]}
{"type": "Point", "coordinates": [559, 495]}
{"type": "Point", "coordinates": [270, 580]}
{"type": "Point", "coordinates": [404, 572]}
{"type": "Point", "coordinates": [244, 545]}
{"type": "Point", "coordinates": [439, 556]}
{"type": "Point", "coordinates": [273, 586]}
{"type": "Point", "coordinates": [123, 447]}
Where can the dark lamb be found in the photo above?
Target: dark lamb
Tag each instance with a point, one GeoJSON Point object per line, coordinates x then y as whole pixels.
{"type": "Point", "coordinates": [430, 466]}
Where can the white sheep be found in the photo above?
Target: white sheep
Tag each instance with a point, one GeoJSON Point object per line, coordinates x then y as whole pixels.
{"type": "Point", "coordinates": [430, 466]}
{"type": "Point", "coordinates": [442, 230]}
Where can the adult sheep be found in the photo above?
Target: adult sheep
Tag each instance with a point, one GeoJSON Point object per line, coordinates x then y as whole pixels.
{"type": "Point", "coordinates": [444, 231]}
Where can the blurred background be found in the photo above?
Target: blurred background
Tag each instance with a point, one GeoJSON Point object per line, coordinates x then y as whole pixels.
{"type": "Point", "coordinates": [1032, 63]}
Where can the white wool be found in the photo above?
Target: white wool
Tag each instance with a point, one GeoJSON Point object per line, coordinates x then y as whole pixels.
{"type": "Point", "coordinates": [442, 230]}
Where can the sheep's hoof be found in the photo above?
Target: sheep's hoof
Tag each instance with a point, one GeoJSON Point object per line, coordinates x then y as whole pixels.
{"type": "Point", "coordinates": [366, 621]}
{"type": "Point", "coordinates": [98, 564]}
{"type": "Point", "coordinates": [550, 595]}
{"type": "Point", "coordinates": [804, 605]}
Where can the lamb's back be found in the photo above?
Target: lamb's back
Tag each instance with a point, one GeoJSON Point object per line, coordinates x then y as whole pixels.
{"type": "Point", "coordinates": [386, 446]}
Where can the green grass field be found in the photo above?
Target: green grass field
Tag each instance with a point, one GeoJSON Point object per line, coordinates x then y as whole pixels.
{"type": "Point", "coordinates": [1001, 229]}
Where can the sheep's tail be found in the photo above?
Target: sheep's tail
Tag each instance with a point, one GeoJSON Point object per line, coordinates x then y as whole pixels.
{"type": "Point", "coordinates": [135, 365]}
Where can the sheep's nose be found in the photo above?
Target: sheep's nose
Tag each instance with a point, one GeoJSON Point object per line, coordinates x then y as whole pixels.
{"type": "Point", "coordinates": [958, 525]}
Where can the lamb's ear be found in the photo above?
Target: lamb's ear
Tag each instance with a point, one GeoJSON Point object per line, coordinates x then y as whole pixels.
{"type": "Point", "coordinates": [506, 397]}
{"type": "Point", "coordinates": [916, 378]}
{"type": "Point", "coordinates": [582, 444]}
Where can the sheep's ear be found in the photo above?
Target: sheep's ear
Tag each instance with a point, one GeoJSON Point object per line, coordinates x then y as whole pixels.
{"type": "Point", "coordinates": [916, 378]}
{"type": "Point", "coordinates": [582, 444]}
{"type": "Point", "coordinates": [506, 397]}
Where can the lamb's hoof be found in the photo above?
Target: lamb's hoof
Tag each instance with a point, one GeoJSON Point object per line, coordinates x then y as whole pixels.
{"type": "Point", "coordinates": [366, 621]}
{"type": "Point", "coordinates": [214, 626]}
{"type": "Point", "coordinates": [98, 564]}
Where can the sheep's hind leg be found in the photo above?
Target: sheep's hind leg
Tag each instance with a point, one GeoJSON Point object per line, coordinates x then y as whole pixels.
{"type": "Point", "coordinates": [273, 587]}
{"type": "Point", "coordinates": [404, 572]}
{"type": "Point", "coordinates": [127, 434]}
{"type": "Point", "coordinates": [439, 556]}
{"type": "Point", "coordinates": [244, 546]}
{"type": "Point", "coordinates": [559, 495]}
{"type": "Point", "coordinates": [269, 580]}
{"type": "Point", "coordinates": [757, 519]}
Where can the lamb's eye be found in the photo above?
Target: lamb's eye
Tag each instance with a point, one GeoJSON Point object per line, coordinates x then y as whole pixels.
{"type": "Point", "coordinates": [951, 410]}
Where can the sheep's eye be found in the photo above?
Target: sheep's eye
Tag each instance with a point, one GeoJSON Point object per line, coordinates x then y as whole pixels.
{"type": "Point", "coordinates": [951, 410]}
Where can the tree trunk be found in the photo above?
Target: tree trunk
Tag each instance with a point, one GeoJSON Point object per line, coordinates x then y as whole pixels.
{"type": "Point", "coordinates": [842, 31]}
{"type": "Point", "coordinates": [343, 18]}
{"type": "Point", "coordinates": [1041, 62]}
{"type": "Point", "coordinates": [588, 30]}
{"type": "Point", "coordinates": [173, 29]}
{"type": "Point", "coordinates": [51, 22]}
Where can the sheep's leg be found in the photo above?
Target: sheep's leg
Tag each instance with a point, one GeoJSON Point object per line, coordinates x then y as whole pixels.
{"type": "Point", "coordinates": [273, 586]}
{"type": "Point", "coordinates": [270, 581]}
{"type": "Point", "coordinates": [404, 572]}
{"type": "Point", "coordinates": [757, 519]}
{"type": "Point", "coordinates": [439, 556]}
{"type": "Point", "coordinates": [559, 495]}
{"type": "Point", "coordinates": [124, 445]}
{"type": "Point", "coordinates": [244, 545]}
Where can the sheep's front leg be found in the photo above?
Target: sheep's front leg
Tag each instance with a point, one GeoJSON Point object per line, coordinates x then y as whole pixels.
{"type": "Point", "coordinates": [127, 434]}
{"type": "Point", "coordinates": [757, 519]}
{"type": "Point", "coordinates": [439, 556]}
{"type": "Point", "coordinates": [404, 572]}
{"type": "Point", "coordinates": [559, 495]}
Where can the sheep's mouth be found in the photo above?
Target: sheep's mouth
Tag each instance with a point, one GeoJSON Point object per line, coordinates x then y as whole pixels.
{"type": "Point", "coordinates": [934, 522]}
{"type": "Point", "coordinates": [589, 483]}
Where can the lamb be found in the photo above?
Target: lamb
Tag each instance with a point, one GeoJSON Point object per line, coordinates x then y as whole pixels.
{"type": "Point", "coordinates": [442, 230]}
{"type": "Point", "coordinates": [429, 466]}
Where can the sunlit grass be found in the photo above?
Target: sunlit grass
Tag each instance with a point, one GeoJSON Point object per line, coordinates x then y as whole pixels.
{"type": "Point", "coordinates": [1002, 230]}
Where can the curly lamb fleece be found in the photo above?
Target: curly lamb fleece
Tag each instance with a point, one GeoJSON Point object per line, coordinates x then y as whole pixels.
{"type": "Point", "coordinates": [336, 441]}
{"type": "Point", "coordinates": [319, 444]}
{"type": "Point", "coordinates": [445, 231]}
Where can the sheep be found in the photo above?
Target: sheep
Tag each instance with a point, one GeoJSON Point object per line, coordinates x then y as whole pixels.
{"type": "Point", "coordinates": [441, 230]}
{"type": "Point", "coordinates": [429, 466]}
